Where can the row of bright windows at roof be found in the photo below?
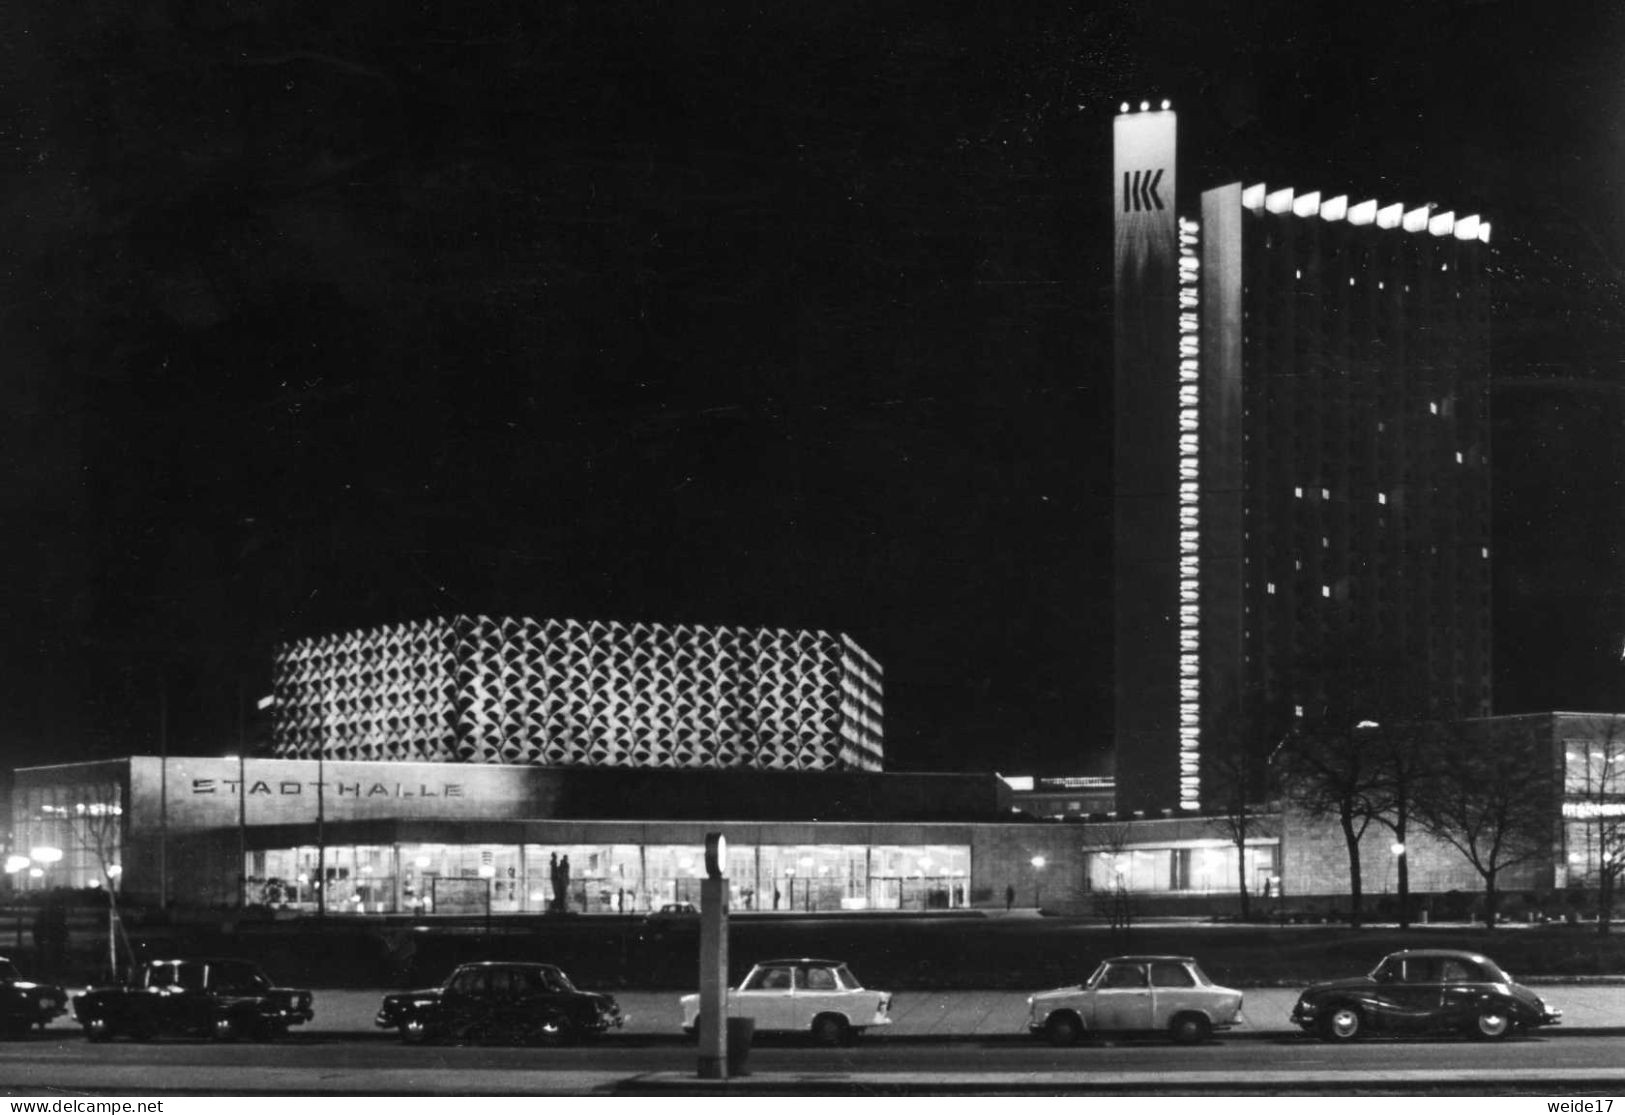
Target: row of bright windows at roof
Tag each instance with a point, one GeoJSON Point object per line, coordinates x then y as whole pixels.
{"type": "Point", "coordinates": [1422, 219]}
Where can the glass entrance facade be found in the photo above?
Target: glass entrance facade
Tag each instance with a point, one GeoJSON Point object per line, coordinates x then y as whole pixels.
{"type": "Point", "coordinates": [605, 878]}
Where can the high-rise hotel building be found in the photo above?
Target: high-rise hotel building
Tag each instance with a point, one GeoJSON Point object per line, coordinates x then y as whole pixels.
{"type": "Point", "coordinates": [1301, 457]}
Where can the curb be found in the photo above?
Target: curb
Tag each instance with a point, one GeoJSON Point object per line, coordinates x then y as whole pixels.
{"type": "Point", "coordinates": [1406, 1082]}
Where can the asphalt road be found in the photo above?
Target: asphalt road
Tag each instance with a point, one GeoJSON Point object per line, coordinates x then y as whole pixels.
{"type": "Point", "coordinates": [68, 1065]}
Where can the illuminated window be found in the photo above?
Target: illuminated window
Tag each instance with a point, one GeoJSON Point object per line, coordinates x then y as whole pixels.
{"type": "Point", "coordinates": [1326, 590]}
{"type": "Point", "coordinates": [1325, 493]}
{"type": "Point", "coordinates": [1382, 497]}
{"type": "Point", "coordinates": [1270, 588]}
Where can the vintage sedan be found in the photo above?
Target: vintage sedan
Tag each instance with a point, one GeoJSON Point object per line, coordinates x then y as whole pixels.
{"type": "Point", "coordinates": [1132, 995]}
{"type": "Point", "coordinates": [1424, 991]}
{"type": "Point", "coordinates": [501, 1002]}
{"type": "Point", "coordinates": [220, 998]}
{"type": "Point", "coordinates": [817, 997]}
{"type": "Point", "coordinates": [25, 1004]}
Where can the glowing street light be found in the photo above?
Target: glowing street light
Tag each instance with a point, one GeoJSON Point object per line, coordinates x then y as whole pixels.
{"type": "Point", "coordinates": [1038, 863]}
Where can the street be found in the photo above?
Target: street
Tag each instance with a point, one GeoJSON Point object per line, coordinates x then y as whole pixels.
{"type": "Point", "coordinates": [66, 1064]}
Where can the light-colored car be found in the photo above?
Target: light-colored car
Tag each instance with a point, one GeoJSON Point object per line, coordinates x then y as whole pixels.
{"type": "Point", "coordinates": [1137, 995]}
{"type": "Point", "coordinates": [817, 997]}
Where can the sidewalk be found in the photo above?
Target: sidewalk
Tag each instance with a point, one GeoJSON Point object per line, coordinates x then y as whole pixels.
{"type": "Point", "coordinates": [946, 1015]}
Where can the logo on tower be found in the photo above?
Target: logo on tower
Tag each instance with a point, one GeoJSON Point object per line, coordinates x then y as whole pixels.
{"type": "Point", "coordinates": [1140, 190]}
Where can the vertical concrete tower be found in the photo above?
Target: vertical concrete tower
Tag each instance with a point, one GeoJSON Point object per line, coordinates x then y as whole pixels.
{"type": "Point", "coordinates": [1155, 727]}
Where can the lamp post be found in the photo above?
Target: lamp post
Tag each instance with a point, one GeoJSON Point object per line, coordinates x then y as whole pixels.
{"type": "Point", "coordinates": [242, 830]}
{"type": "Point", "coordinates": [1038, 882]}
{"type": "Point", "coordinates": [713, 1058]}
{"type": "Point", "coordinates": [1402, 766]}
{"type": "Point", "coordinates": [488, 872]}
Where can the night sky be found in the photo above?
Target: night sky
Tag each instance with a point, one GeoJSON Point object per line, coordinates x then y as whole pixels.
{"type": "Point", "coordinates": [779, 314]}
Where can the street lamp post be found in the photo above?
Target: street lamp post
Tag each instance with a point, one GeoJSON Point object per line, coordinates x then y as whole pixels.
{"type": "Point", "coordinates": [1038, 882]}
{"type": "Point", "coordinates": [714, 1022]}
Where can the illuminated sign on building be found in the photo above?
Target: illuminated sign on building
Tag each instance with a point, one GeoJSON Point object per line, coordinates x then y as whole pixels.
{"type": "Point", "coordinates": [1190, 511]}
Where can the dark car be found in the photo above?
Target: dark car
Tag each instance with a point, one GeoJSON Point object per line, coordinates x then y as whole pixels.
{"type": "Point", "coordinates": [1424, 991]}
{"type": "Point", "coordinates": [219, 998]}
{"type": "Point", "coordinates": [501, 1002]}
{"type": "Point", "coordinates": [25, 1004]}
{"type": "Point", "coordinates": [675, 919]}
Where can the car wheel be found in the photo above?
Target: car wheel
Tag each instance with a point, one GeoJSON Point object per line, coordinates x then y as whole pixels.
{"type": "Point", "coordinates": [1490, 1024]}
{"type": "Point", "coordinates": [99, 1029]}
{"type": "Point", "coordinates": [1343, 1022]}
{"type": "Point", "coordinates": [226, 1028]}
{"type": "Point", "coordinates": [552, 1029]}
{"type": "Point", "coordinates": [1063, 1029]}
{"type": "Point", "coordinates": [1190, 1029]}
{"type": "Point", "coordinates": [414, 1031]}
{"type": "Point", "coordinates": [829, 1029]}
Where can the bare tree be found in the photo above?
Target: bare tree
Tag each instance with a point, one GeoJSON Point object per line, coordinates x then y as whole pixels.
{"type": "Point", "coordinates": [96, 823]}
{"type": "Point", "coordinates": [1240, 785]}
{"type": "Point", "coordinates": [1116, 902]}
{"type": "Point", "coordinates": [1329, 773]}
{"type": "Point", "coordinates": [1404, 753]}
{"type": "Point", "coordinates": [1493, 797]}
{"type": "Point", "coordinates": [1363, 751]}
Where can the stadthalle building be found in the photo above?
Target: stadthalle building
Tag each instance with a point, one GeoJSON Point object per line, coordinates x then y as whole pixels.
{"type": "Point", "coordinates": [1302, 457]}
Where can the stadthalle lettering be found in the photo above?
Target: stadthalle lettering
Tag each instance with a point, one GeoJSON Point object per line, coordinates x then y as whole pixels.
{"type": "Point", "coordinates": [343, 789]}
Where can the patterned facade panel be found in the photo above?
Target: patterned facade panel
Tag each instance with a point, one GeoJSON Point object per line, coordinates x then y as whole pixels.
{"type": "Point", "coordinates": [516, 690]}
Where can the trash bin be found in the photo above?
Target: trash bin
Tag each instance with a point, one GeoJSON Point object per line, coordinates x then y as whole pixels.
{"type": "Point", "coordinates": [740, 1033]}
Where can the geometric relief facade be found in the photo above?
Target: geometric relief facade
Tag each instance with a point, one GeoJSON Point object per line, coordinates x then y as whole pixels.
{"type": "Point", "coordinates": [478, 689]}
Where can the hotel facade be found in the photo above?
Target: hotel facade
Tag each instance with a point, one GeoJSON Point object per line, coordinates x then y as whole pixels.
{"type": "Point", "coordinates": [1301, 457]}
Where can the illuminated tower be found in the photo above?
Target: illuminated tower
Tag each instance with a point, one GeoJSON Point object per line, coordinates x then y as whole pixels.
{"type": "Point", "coordinates": [1302, 452]}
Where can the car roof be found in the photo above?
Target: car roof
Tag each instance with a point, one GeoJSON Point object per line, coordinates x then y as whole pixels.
{"type": "Point", "coordinates": [507, 964]}
{"type": "Point", "coordinates": [1434, 954]}
{"type": "Point", "coordinates": [1147, 959]}
{"type": "Point", "coordinates": [800, 960]}
{"type": "Point", "coordinates": [200, 960]}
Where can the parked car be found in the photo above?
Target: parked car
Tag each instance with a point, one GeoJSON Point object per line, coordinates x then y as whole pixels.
{"type": "Point", "coordinates": [1424, 991]}
{"type": "Point", "coordinates": [672, 918]}
{"type": "Point", "coordinates": [501, 1002]}
{"type": "Point", "coordinates": [1137, 995]}
{"type": "Point", "coordinates": [818, 997]}
{"type": "Point", "coordinates": [25, 1004]}
{"type": "Point", "coordinates": [223, 999]}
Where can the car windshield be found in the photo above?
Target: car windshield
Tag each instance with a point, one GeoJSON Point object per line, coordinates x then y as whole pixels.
{"type": "Point", "coordinates": [556, 980]}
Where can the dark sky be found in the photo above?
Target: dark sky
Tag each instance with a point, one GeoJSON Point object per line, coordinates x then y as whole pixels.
{"type": "Point", "coordinates": [765, 314]}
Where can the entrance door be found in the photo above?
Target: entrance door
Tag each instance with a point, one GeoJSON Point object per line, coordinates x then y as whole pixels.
{"type": "Point", "coordinates": [1122, 998]}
